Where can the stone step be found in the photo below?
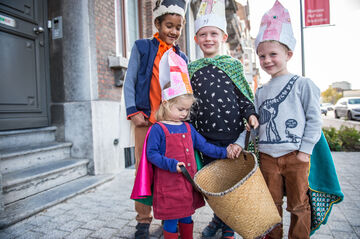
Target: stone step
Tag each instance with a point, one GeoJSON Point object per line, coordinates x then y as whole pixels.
{"type": "Point", "coordinates": [27, 207]}
{"type": "Point", "coordinates": [17, 158]}
{"type": "Point", "coordinates": [23, 183]}
{"type": "Point", "coordinates": [26, 137]}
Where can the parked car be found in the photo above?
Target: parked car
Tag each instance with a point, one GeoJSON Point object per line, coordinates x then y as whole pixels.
{"type": "Point", "coordinates": [327, 106]}
{"type": "Point", "coordinates": [348, 107]}
{"type": "Point", "coordinates": [323, 109]}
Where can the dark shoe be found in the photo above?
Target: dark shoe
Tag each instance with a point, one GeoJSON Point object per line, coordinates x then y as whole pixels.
{"type": "Point", "coordinates": [213, 227]}
{"type": "Point", "coordinates": [227, 232]}
{"type": "Point", "coordinates": [142, 231]}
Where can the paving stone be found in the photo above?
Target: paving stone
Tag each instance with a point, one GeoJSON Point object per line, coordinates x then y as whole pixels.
{"type": "Point", "coordinates": [116, 223]}
{"type": "Point", "coordinates": [107, 212]}
{"type": "Point", "coordinates": [321, 236]}
{"type": "Point", "coordinates": [38, 220]}
{"type": "Point", "coordinates": [103, 233]}
{"type": "Point", "coordinates": [79, 233]}
{"type": "Point", "coordinates": [56, 234]}
{"type": "Point", "coordinates": [126, 232]}
{"type": "Point", "coordinates": [94, 225]}
{"type": "Point", "coordinates": [342, 234]}
{"type": "Point", "coordinates": [342, 226]}
{"type": "Point", "coordinates": [46, 227]}
{"type": "Point", "coordinates": [53, 211]}
{"type": "Point", "coordinates": [64, 218]}
{"type": "Point", "coordinates": [128, 215]}
{"type": "Point", "coordinates": [357, 231]}
{"type": "Point", "coordinates": [31, 235]}
{"type": "Point", "coordinates": [86, 217]}
{"type": "Point", "coordinates": [4, 235]}
{"type": "Point", "coordinates": [71, 226]}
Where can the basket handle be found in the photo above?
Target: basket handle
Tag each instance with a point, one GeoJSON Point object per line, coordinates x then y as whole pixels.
{"type": "Point", "coordinates": [247, 140]}
{"type": "Point", "coordinates": [188, 177]}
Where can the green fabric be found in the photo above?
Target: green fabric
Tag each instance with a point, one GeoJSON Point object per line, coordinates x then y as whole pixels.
{"type": "Point", "coordinates": [198, 158]}
{"type": "Point", "coordinates": [231, 66]}
{"type": "Point", "coordinates": [324, 186]}
{"type": "Point", "coordinates": [146, 200]}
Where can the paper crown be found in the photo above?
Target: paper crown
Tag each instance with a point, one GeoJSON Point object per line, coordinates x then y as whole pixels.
{"type": "Point", "coordinates": [173, 76]}
{"type": "Point", "coordinates": [211, 13]}
{"type": "Point", "coordinates": [276, 25]}
{"type": "Point", "coordinates": [170, 6]}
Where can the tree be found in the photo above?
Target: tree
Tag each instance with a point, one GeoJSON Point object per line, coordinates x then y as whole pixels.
{"type": "Point", "coordinates": [330, 95]}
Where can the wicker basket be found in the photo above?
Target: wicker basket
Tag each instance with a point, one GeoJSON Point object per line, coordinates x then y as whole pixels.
{"type": "Point", "coordinates": [237, 193]}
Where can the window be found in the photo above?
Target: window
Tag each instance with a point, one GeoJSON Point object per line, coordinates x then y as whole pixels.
{"type": "Point", "coordinates": [127, 26]}
{"type": "Point", "coordinates": [133, 23]}
{"type": "Point", "coordinates": [120, 28]}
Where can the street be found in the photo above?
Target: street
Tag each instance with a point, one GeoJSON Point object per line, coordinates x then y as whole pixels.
{"type": "Point", "coordinates": [330, 121]}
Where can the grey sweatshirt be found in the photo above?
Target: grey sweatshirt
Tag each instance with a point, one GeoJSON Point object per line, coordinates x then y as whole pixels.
{"type": "Point", "coordinates": [290, 117]}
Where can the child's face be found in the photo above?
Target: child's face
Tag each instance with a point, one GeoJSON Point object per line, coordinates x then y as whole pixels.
{"type": "Point", "coordinates": [170, 28]}
{"type": "Point", "coordinates": [209, 40]}
{"type": "Point", "coordinates": [180, 110]}
{"type": "Point", "coordinates": [273, 58]}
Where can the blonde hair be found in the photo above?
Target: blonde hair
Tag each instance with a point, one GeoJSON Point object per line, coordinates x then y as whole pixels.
{"type": "Point", "coordinates": [286, 48]}
{"type": "Point", "coordinates": [164, 109]}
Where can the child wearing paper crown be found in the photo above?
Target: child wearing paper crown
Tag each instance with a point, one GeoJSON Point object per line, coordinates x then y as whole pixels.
{"type": "Point", "coordinates": [141, 87]}
{"type": "Point", "coordinates": [290, 122]}
{"type": "Point", "coordinates": [171, 143]}
{"type": "Point", "coordinates": [224, 97]}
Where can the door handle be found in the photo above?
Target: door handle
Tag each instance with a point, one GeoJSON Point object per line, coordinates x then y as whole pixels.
{"type": "Point", "coordinates": [38, 30]}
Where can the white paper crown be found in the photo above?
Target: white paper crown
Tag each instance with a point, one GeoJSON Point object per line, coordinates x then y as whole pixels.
{"type": "Point", "coordinates": [170, 6]}
{"type": "Point", "coordinates": [173, 76]}
{"type": "Point", "coordinates": [211, 13]}
{"type": "Point", "coordinates": [276, 25]}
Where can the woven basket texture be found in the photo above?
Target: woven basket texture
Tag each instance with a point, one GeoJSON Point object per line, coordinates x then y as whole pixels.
{"type": "Point", "coordinates": [237, 193]}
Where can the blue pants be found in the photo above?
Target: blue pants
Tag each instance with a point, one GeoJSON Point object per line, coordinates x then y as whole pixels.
{"type": "Point", "coordinates": [171, 225]}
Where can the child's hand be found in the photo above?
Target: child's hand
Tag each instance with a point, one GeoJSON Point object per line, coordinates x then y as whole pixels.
{"type": "Point", "coordinates": [304, 157]}
{"type": "Point", "coordinates": [253, 121]}
{"type": "Point", "coordinates": [178, 169]}
{"type": "Point", "coordinates": [139, 120]}
{"type": "Point", "coordinates": [233, 151]}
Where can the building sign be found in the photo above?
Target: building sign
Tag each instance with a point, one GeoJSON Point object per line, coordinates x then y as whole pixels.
{"type": "Point", "coordinates": [317, 12]}
{"type": "Point", "coordinates": [7, 21]}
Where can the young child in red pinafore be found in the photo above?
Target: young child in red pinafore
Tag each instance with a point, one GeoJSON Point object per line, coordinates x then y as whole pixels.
{"type": "Point", "coordinates": [170, 144]}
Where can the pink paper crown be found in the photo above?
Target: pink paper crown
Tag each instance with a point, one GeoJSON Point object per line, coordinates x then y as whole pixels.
{"type": "Point", "coordinates": [173, 76]}
{"type": "Point", "coordinates": [276, 25]}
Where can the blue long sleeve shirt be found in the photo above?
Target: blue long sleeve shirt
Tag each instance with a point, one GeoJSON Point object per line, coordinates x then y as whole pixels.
{"type": "Point", "coordinates": [156, 146]}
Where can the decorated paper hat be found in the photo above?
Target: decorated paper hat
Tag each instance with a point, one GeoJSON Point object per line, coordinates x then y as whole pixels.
{"type": "Point", "coordinates": [276, 25]}
{"type": "Point", "coordinates": [170, 6]}
{"type": "Point", "coordinates": [173, 76]}
{"type": "Point", "coordinates": [211, 13]}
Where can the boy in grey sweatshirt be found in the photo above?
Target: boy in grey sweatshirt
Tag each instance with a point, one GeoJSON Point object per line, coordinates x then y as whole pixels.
{"type": "Point", "coordinates": [290, 122]}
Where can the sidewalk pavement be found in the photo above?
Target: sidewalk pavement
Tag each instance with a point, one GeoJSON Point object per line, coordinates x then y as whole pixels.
{"type": "Point", "coordinates": [107, 211]}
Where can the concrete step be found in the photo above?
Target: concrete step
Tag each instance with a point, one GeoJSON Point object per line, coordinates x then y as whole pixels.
{"type": "Point", "coordinates": [26, 137]}
{"type": "Point", "coordinates": [25, 208]}
{"type": "Point", "coordinates": [17, 158]}
{"type": "Point", "coordinates": [23, 183]}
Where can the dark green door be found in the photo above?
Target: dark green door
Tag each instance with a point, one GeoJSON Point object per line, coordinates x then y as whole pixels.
{"type": "Point", "coordinates": [23, 64]}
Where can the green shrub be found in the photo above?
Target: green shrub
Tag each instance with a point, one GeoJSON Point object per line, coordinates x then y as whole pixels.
{"type": "Point", "coordinates": [332, 137]}
{"type": "Point", "coordinates": [345, 139]}
{"type": "Point", "coordinates": [350, 138]}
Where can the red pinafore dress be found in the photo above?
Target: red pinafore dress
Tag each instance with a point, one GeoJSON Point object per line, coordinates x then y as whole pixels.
{"type": "Point", "coordinates": [174, 197]}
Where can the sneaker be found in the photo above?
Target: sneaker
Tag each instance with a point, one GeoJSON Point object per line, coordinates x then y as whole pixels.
{"type": "Point", "coordinates": [227, 233]}
{"type": "Point", "coordinates": [213, 227]}
{"type": "Point", "coordinates": [142, 231]}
